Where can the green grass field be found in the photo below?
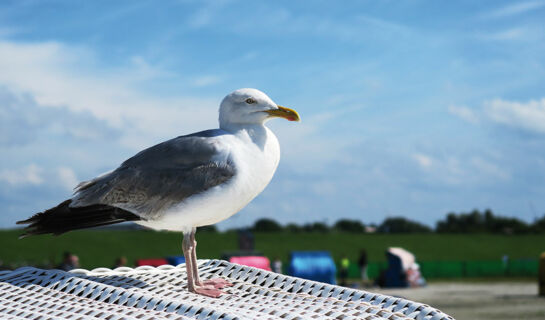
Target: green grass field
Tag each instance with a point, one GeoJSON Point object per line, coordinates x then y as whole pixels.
{"type": "Point", "coordinates": [99, 248]}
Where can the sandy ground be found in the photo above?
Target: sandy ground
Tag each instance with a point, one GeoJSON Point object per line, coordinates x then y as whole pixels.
{"type": "Point", "coordinates": [475, 301]}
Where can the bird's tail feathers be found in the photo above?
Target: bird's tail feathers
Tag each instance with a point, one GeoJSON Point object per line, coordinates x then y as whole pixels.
{"type": "Point", "coordinates": [64, 218]}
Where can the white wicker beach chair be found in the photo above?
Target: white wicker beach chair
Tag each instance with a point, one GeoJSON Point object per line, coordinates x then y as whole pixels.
{"type": "Point", "coordinates": [160, 293]}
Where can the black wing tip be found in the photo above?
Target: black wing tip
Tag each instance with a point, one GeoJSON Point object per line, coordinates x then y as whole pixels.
{"type": "Point", "coordinates": [63, 218]}
{"type": "Point", "coordinates": [29, 220]}
{"type": "Point", "coordinates": [31, 227]}
{"type": "Point", "coordinates": [24, 235]}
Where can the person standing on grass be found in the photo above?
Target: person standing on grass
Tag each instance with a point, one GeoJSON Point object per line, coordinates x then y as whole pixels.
{"type": "Point", "coordinates": [120, 262]}
{"type": "Point", "coordinates": [343, 274]}
{"type": "Point", "coordinates": [70, 261]}
{"type": "Point", "coordinates": [277, 265]}
{"type": "Point", "coordinates": [362, 263]}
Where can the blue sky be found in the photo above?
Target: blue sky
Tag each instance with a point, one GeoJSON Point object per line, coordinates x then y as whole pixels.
{"type": "Point", "coordinates": [409, 108]}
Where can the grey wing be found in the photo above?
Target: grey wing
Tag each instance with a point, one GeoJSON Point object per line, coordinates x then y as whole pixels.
{"type": "Point", "coordinates": [161, 176]}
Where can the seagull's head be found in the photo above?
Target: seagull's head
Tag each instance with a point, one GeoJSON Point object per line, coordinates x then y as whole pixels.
{"type": "Point", "coordinates": [251, 106]}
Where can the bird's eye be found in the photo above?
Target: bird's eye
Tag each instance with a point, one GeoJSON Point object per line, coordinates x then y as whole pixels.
{"type": "Point", "coordinates": [250, 101]}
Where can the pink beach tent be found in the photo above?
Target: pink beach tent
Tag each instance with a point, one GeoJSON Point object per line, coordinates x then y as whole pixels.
{"type": "Point", "coordinates": [252, 261]}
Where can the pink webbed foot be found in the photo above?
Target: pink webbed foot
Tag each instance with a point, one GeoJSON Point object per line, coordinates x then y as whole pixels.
{"type": "Point", "coordinates": [208, 291]}
{"type": "Point", "coordinates": [217, 283]}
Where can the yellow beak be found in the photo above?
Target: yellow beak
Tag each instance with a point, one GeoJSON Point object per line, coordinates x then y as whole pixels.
{"type": "Point", "coordinates": [285, 113]}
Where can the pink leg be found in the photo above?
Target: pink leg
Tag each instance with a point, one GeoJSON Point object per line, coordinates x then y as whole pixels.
{"type": "Point", "coordinates": [190, 266]}
{"type": "Point", "coordinates": [217, 283]}
{"type": "Point", "coordinates": [193, 257]}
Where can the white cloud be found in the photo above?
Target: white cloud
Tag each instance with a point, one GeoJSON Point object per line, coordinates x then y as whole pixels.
{"type": "Point", "coordinates": [455, 169]}
{"type": "Point", "coordinates": [205, 81]}
{"type": "Point", "coordinates": [506, 35]}
{"type": "Point", "coordinates": [46, 72]}
{"type": "Point", "coordinates": [268, 18]}
{"type": "Point", "coordinates": [423, 161]}
{"type": "Point", "coordinates": [464, 113]}
{"type": "Point", "coordinates": [29, 175]}
{"type": "Point", "coordinates": [207, 14]}
{"type": "Point", "coordinates": [35, 175]}
{"type": "Point", "coordinates": [305, 147]}
{"type": "Point", "coordinates": [67, 177]}
{"type": "Point", "coordinates": [489, 168]}
{"type": "Point", "coordinates": [23, 121]}
{"type": "Point", "coordinates": [60, 77]}
{"type": "Point", "coordinates": [201, 18]}
{"type": "Point", "coordinates": [529, 116]}
{"type": "Point", "coordinates": [514, 9]}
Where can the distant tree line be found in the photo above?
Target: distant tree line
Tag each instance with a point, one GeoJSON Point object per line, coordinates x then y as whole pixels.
{"type": "Point", "coordinates": [472, 222]}
{"type": "Point", "coordinates": [479, 222]}
{"type": "Point", "coordinates": [389, 225]}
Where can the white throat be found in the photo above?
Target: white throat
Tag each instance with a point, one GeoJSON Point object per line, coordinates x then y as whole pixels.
{"type": "Point", "coordinates": [255, 132]}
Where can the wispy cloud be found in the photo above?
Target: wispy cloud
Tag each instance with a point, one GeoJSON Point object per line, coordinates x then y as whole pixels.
{"type": "Point", "coordinates": [265, 18]}
{"type": "Point", "coordinates": [451, 170]}
{"type": "Point", "coordinates": [518, 33]}
{"type": "Point", "coordinates": [23, 121]}
{"type": "Point", "coordinates": [423, 160]}
{"type": "Point", "coordinates": [46, 72]}
{"type": "Point", "coordinates": [206, 15]}
{"type": "Point", "coordinates": [28, 175]}
{"type": "Point", "coordinates": [309, 149]}
{"type": "Point", "coordinates": [527, 116]}
{"type": "Point", "coordinates": [67, 177]}
{"type": "Point", "coordinates": [489, 168]}
{"type": "Point", "coordinates": [205, 81]}
{"type": "Point", "coordinates": [464, 113]}
{"type": "Point", "coordinates": [514, 9]}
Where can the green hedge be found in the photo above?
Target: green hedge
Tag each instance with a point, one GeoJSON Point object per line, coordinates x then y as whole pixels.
{"type": "Point", "coordinates": [460, 269]}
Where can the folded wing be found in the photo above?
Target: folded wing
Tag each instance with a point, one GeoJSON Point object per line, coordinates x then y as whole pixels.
{"type": "Point", "coordinates": [144, 186]}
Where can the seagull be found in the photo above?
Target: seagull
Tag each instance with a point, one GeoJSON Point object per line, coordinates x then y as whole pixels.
{"type": "Point", "coordinates": [183, 183]}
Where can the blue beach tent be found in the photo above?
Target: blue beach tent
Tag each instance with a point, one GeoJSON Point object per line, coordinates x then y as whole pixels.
{"type": "Point", "coordinates": [176, 260]}
{"type": "Point", "coordinates": [313, 265]}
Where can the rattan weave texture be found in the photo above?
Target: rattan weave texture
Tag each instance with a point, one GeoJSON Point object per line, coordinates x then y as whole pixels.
{"type": "Point", "coordinates": [160, 293]}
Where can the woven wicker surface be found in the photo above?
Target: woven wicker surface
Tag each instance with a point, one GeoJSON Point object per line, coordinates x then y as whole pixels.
{"type": "Point", "coordinates": [160, 293]}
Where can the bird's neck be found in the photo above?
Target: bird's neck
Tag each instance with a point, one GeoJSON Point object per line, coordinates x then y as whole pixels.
{"type": "Point", "coordinates": [256, 132]}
